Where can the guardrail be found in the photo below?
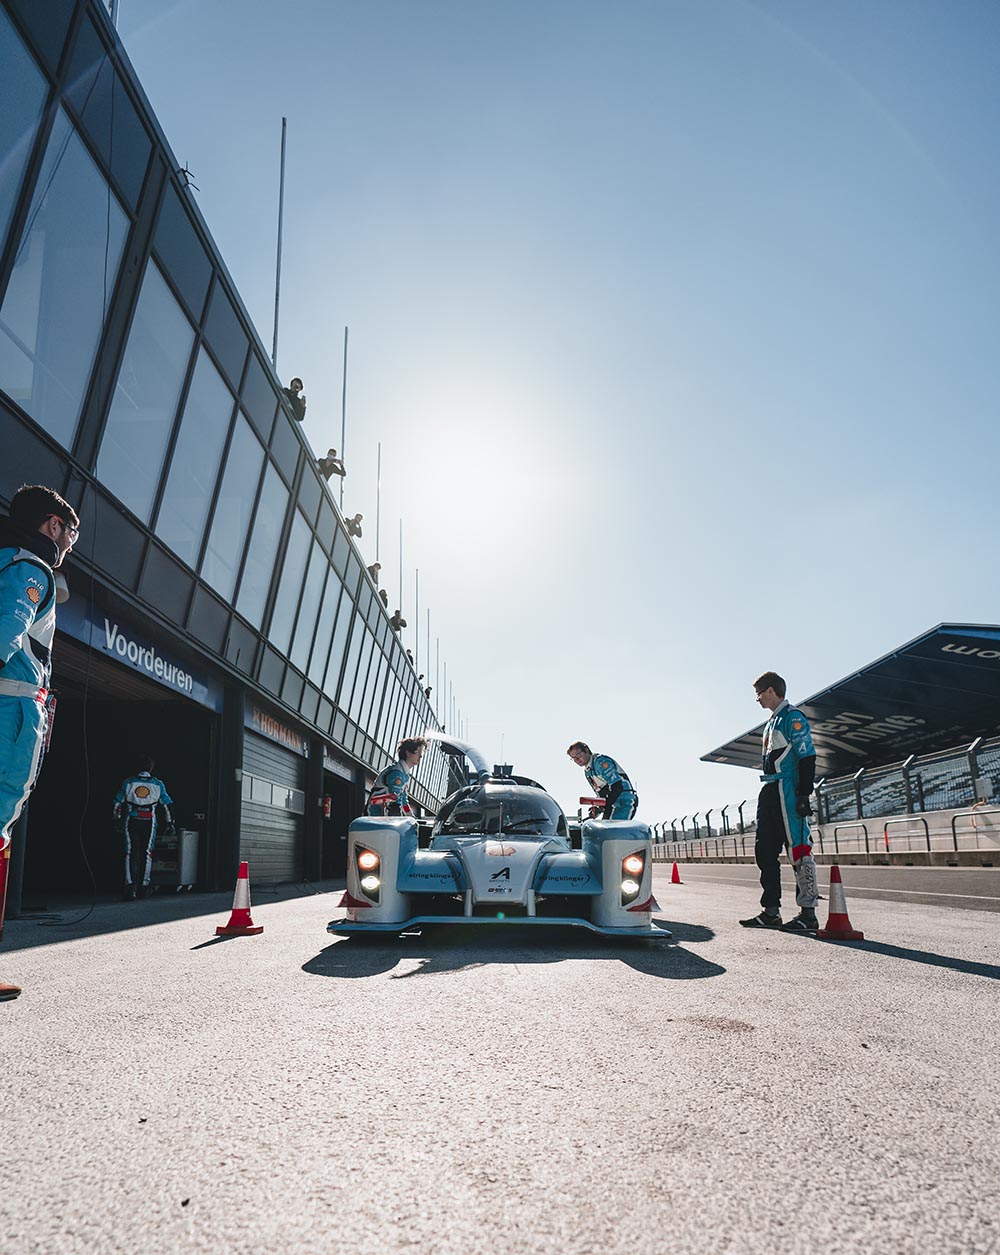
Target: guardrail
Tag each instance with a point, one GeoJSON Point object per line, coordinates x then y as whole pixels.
{"type": "Point", "coordinates": [930, 837]}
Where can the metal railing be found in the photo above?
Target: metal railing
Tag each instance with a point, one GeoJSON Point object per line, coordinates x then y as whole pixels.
{"type": "Point", "coordinates": [940, 833]}
{"type": "Point", "coordinates": [960, 777]}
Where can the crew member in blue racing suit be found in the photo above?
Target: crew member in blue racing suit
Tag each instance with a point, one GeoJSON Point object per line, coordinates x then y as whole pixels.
{"type": "Point", "coordinates": [136, 805]}
{"type": "Point", "coordinates": [394, 779]}
{"type": "Point", "coordinates": [783, 808]}
{"type": "Point", "coordinates": [40, 531]}
{"type": "Point", "coordinates": [607, 780]}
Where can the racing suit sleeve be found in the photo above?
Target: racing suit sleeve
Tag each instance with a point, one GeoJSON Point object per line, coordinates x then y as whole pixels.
{"type": "Point", "coordinates": [807, 775]}
{"type": "Point", "coordinates": [611, 793]}
{"type": "Point", "coordinates": [23, 590]}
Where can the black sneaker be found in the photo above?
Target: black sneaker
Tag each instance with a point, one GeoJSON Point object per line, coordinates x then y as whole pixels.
{"type": "Point", "coordinates": [804, 922]}
{"type": "Point", "coordinates": [763, 920]}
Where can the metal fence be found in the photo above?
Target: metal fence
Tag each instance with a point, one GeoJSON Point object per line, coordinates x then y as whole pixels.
{"type": "Point", "coordinates": [960, 777]}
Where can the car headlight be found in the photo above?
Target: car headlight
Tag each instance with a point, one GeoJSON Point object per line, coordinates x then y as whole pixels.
{"type": "Point", "coordinates": [368, 865]}
{"type": "Point", "coordinates": [633, 866]}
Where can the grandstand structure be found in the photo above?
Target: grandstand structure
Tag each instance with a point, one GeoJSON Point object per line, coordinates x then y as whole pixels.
{"type": "Point", "coordinates": [907, 759]}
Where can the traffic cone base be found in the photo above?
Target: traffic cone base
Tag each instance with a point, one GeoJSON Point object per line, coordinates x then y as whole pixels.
{"type": "Point", "coordinates": [838, 925]}
{"type": "Point", "coordinates": [240, 922]}
{"type": "Point", "coordinates": [675, 876]}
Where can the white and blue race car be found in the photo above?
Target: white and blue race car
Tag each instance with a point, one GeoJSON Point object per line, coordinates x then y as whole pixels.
{"type": "Point", "coordinates": [500, 852]}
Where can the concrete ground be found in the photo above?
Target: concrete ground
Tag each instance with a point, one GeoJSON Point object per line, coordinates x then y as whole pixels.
{"type": "Point", "coordinates": [736, 1091]}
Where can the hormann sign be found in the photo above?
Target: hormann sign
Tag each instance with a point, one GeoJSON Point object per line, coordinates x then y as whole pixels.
{"type": "Point", "coordinates": [938, 691]}
{"type": "Point", "coordinates": [274, 729]}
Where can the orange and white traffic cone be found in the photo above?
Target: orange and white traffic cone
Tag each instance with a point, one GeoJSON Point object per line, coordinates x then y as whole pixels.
{"type": "Point", "coordinates": [838, 925]}
{"type": "Point", "coordinates": [675, 876]}
{"type": "Point", "coordinates": [240, 924]}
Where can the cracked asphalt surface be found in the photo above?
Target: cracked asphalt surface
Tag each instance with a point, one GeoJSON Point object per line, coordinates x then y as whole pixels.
{"type": "Point", "coordinates": [455, 1092]}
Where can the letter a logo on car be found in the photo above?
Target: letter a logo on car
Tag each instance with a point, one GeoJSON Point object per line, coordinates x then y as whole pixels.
{"type": "Point", "coordinates": [502, 874]}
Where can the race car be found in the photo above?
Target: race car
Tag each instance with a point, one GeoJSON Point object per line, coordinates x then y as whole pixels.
{"type": "Point", "coordinates": [499, 853]}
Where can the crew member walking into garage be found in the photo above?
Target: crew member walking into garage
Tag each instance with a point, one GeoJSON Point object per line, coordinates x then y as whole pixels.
{"type": "Point", "coordinates": [394, 779]}
{"type": "Point", "coordinates": [788, 771]}
{"type": "Point", "coordinates": [136, 804]}
{"type": "Point", "coordinates": [40, 531]}
{"type": "Point", "coordinates": [607, 779]}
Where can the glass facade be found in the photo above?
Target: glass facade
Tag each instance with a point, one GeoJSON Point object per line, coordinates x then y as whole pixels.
{"type": "Point", "coordinates": [194, 468]}
{"type": "Point", "coordinates": [146, 394]}
{"type": "Point", "coordinates": [60, 288]}
{"type": "Point", "coordinates": [178, 417]}
{"type": "Point", "coordinates": [24, 92]}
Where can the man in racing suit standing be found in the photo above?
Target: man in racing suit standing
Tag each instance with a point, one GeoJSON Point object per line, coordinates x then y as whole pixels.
{"type": "Point", "coordinates": [136, 804]}
{"type": "Point", "coordinates": [40, 531]}
{"type": "Point", "coordinates": [394, 779]}
{"type": "Point", "coordinates": [607, 779]}
{"type": "Point", "coordinates": [789, 768]}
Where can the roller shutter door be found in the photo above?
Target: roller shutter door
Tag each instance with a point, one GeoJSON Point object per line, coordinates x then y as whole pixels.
{"type": "Point", "coordinates": [272, 813]}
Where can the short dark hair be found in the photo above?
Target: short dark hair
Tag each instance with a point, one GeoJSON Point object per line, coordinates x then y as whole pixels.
{"type": "Point", "coordinates": [33, 503]}
{"type": "Point", "coordinates": [579, 745]}
{"type": "Point", "coordinates": [410, 746]}
{"type": "Point", "coordinates": [770, 680]}
{"type": "Point", "coordinates": [146, 763]}
{"type": "Point", "coordinates": [295, 381]}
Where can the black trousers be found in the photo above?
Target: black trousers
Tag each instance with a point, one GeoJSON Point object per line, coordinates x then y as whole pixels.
{"type": "Point", "coordinates": [770, 841]}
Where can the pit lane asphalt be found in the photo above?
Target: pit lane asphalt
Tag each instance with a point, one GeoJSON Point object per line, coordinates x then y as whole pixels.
{"type": "Point", "coordinates": [733, 1093]}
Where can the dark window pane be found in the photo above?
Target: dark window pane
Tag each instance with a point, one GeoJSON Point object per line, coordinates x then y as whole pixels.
{"type": "Point", "coordinates": [337, 647]}
{"type": "Point", "coordinates": [179, 249]}
{"type": "Point", "coordinates": [23, 96]}
{"type": "Point", "coordinates": [166, 585]}
{"type": "Point", "coordinates": [339, 729]}
{"type": "Point", "coordinates": [119, 542]}
{"type": "Point", "coordinates": [146, 395]}
{"type": "Point", "coordinates": [285, 447]}
{"type": "Point", "coordinates": [287, 602]}
{"type": "Point", "coordinates": [259, 398]}
{"type": "Point", "coordinates": [353, 658]}
{"type": "Point", "coordinates": [309, 704]}
{"type": "Point", "coordinates": [291, 690]}
{"type": "Point", "coordinates": [272, 669]}
{"type": "Point", "coordinates": [224, 332]}
{"type": "Point", "coordinates": [376, 683]}
{"type": "Point", "coordinates": [194, 467]}
{"type": "Point", "coordinates": [312, 591]}
{"type": "Point", "coordinates": [22, 448]}
{"type": "Point", "coordinates": [324, 629]}
{"type": "Point", "coordinates": [341, 550]}
{"type": "Point", "coordinates": [259, 569]}
{"type": "Point", "coordinates": [92, 80]}
{"type": "Point", "coordinates": [326, 528]}
{"type": "Point", "coordinates": [56, 303]}
{"type": "Point", "coordinates": [48, 24]}
{"type": "Point", "coordinates": [309, 494]}
{"type": "Point", "coordinates": [353, 575]}
{"type": "Point", "coordinates": [233, 512]}
{"type": "Point", "coordinates": [364, 662]}
{"type": "Point", "coordinates": [241, 647]}
{"type": "Point", "coordinates": [208, 619]}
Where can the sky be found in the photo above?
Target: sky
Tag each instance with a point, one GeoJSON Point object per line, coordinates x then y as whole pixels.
{"type": "Point", "coordinates": [675, 322]}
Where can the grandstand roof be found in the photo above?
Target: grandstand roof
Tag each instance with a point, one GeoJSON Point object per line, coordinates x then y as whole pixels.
{"type": "Point", "coordinates": [940, 690]}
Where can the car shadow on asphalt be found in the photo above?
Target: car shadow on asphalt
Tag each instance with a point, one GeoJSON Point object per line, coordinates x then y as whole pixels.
{"type": "Point", "coordinates": [455, 949]}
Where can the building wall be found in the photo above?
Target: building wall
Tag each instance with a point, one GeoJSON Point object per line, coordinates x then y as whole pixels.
{"type": "Point", "coordinates": [132, 380]}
